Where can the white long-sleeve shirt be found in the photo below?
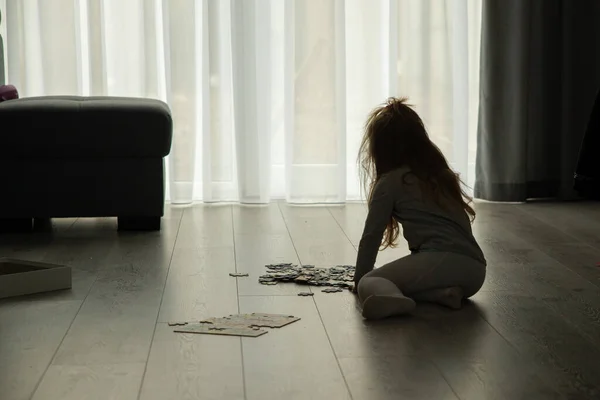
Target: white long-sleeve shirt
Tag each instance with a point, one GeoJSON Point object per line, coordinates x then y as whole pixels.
{"type": "Point", "coordinates": [426, 225]}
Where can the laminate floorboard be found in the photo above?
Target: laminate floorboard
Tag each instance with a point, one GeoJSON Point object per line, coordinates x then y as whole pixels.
{"type": "Point", "coordinates": [32, 327]}
{"type": "Point", "coordinates": [189, 366]}
{"type": "Point", "coordinates": [532, 332]}
{"type": "Point", "coordinates": [528, 228]}
{"type": "Point", "coordinates": [579, 258]}
{"type": "Point", "coordinates": [549, 345]}
{"type": "Point", "coordinates": [206, 226]}
{"type": "Point", "coordinates": [476, 360]}
{"type": "Point", "coordinates": [106, 347]}
{"type": "Point", "coordinates": [379, 378]}
{"type": "Point", "coordinates": [319, 240]}
{"type": "Point", "coordinates": [293, 362]}
{"type": "Point", "coordinates": [116, 321]}
{"type": "Point", "coordinates": [91, 382]}
{"type": "Point", "coordinates": [30, 333]}
{"type": "Point", "coordinates": [569, 218]}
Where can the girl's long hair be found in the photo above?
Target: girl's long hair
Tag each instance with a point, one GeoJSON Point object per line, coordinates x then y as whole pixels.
{"type": "Point", "coordinates": [395, 137]}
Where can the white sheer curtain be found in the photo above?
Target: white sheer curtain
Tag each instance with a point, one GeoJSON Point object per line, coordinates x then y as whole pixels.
{"type": "Point", "coordinates": [268, 96]}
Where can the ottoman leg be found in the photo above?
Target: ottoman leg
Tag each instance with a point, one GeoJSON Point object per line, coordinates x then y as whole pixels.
{"type": "Point", "coordinates": [16, 225]}
{"type": "Point", "coordinates": [42, 224]}
{"type": "Point", "coordinates": [139, 223]}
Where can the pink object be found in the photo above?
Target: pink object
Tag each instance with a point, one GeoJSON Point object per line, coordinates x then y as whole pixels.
{"type": "Point", "coordinates": [8, 92]}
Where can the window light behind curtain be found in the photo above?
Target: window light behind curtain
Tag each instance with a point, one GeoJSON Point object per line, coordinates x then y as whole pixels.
{"type": "Point", "coordinates": [268, 96]}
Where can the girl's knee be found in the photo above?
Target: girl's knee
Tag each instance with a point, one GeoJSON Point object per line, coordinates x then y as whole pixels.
{"type": "Point", "coordinates": [362, 289]}
{"type": "Point", "coordinates": [367, 287]}
{"type": "Point", "coordinates": [373, 285]}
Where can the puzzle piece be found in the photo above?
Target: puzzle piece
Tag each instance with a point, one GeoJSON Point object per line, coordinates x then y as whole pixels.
{"type": "Point", "coordinates": [280, 266]}
{"type": "Point", "coordinates": [253, 320]}
{"type": "Point", "coordinates": [237, 275]}
{"type": "Point", "coordinates": [332, 290]}
{"type": "Point", "coordinates": [207, 329]}
{"type": "Point", "coordinates": [177, 323]}
{"type": "Point", "coordinates": [237, 324]}
{"type": "Point", "coordinates": [305, 294]}
{"type": "Point", "coordinates": [302, 279]}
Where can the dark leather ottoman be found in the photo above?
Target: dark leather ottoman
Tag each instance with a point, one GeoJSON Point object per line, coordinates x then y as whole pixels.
{"type": "Point", "coordinates": [83, 157]}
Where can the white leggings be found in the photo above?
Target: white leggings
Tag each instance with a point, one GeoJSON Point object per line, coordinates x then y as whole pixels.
{"type": "Point", "coordinates": [420, 275]}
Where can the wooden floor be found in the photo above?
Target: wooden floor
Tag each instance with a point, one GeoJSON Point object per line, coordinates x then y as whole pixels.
{"type": "Point", "coordinates": [533, 332]}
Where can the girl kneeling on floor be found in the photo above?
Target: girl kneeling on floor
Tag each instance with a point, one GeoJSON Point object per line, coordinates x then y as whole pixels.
{"type": "Point", "coordinates": [410, 183]}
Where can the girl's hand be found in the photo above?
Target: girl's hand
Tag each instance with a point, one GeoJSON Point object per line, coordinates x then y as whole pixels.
{"type": "Point", "coordinates": [353, 289]}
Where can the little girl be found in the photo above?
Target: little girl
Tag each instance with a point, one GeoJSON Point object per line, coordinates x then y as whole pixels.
{"type": "Point", "coordinates": [409, 182]}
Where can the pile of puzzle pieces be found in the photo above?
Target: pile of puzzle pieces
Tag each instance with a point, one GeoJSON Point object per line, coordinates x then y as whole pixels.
{"type": "Point", "coordinates": [340, 276]}
{"type": "Point", "coordinates": [236, 325]}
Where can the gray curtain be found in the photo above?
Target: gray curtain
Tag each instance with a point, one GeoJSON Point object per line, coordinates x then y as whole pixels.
{"type": "Point", "coordinates": [540, 72]}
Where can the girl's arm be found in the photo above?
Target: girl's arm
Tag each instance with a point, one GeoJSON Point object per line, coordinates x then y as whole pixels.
{"type": "Point", "coordinates": [380, 212]}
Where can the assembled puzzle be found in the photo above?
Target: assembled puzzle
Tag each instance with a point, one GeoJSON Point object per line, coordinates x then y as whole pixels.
{"type": "Point", "coordinates": [248, 325]}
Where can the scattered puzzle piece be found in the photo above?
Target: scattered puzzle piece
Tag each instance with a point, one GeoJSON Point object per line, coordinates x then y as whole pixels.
{"type": "Point", "coordinates": [237, 275]}
{"type": "Point", "coordinates": [332, 290]}
{"type": "Point", "coordinates": [305, 294]}
{"type": "Point", "coordinates": [177, 323]}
